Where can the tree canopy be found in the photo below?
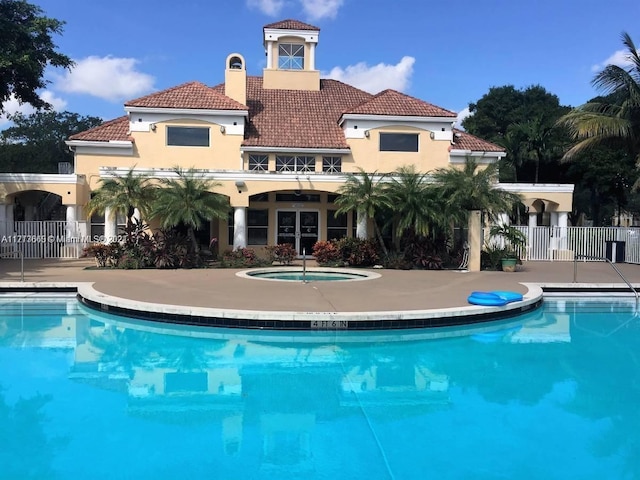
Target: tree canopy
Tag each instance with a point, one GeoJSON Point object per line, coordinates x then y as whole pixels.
{"type": "Point", "coordinates": [36, 143]}
{"type": "Point", "coordinates": [523, 121]}
{"type": "Point", "coordinates": [26, 49]}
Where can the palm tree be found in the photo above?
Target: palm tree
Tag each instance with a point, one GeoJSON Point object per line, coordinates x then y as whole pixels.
{"type": "Point", "coordinates": [416, 206]}
{"type": "Point", "coordinates": [613, 121]}
{"type": "Point", "coordinates": [536, 135]}
{"type": "Point", "coordinates": [468, 189]}
{"type": "Point", "coordinates": [366, 195]}
{"type": "Point", "coordinates": [188, 200]}
{"type": "Point", "coordinates": [122, 195]}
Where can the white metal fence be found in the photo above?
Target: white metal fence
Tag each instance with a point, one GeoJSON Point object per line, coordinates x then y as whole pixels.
{"type": "Point", "coordinates": [60, 239]}
{"type": "Point", "coordinates": [564, 243]}
{"type": "Point", "coordinates": [43, 239]}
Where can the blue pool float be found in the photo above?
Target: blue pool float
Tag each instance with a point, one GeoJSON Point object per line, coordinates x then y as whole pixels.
{"type": "Point", "coordinates": [494, 299]}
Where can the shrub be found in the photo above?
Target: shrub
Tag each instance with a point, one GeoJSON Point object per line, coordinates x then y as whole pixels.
{"type": "Point", "coordinates": [423, 253]}
{"type": "Point", "coordinates": [240, 258]}
{"type": "Point", "coordinates": [283, 253]}
{"type": "Point", "coordinates": [357, 252]}
{"type": "Point", "coordinates": [101, 252]}
{"type": "Point", "coordinates": [327, 253]}
{"type": "Point", "coordinates": [396, 261]}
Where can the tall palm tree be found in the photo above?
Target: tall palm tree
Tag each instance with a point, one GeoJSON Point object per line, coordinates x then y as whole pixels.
{"type": "Point", "coordinates": [536, 134]}
{"type": "Point", "coordinates": [122, 195]}
{"type": "Point", "coordinates": [416, 206]}
{"type": "Point", "coordinates": [366, 195]}
{"type": "Point", "coordinates": [188, 199]}
{"type": "Point", "coordinates": [615, 120]}
{"type": "Point", "coordinates": [468, 189]}
{"type": "Point", "coordinates": [471, 188]}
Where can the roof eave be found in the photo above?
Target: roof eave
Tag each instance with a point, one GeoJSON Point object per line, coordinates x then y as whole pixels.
{"type": "Point", "coordinates": [186, 111]}
{"type": "Point", "coordinates": [99, 143]}
{"type": "Point", "coordinates": [396, 118]}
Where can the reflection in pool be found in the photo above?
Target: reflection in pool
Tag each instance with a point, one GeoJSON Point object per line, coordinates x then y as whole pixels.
{"type": "Point", "coordinates": [552, 394]}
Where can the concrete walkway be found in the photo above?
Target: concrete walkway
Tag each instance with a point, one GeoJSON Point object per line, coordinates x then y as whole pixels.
{"type": "Point", "coordinates": [394, 290]}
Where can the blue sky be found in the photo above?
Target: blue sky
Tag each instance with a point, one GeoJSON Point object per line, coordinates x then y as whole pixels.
{"type": "Point", "coordinates": [447, 53]}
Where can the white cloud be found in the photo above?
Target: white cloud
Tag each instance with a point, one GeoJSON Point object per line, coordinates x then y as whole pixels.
{"type": "Point", "coordinates": [376, 78]}
{"type": "Point", "coordinates": [12, 106]}
{"type": "Point", "coordinates": [619, 58]}
{"type": "Point", "coordinates": [462, 114]}
{"type": "Point", "coordinates": [268, 7]}
{"type": "Point", "coordinates": [318, 9]}
{"type": "Point", "coordinates": [109, 78]}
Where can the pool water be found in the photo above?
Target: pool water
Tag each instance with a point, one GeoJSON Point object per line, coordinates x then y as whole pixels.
{"type": "Point", "coordinates": [553, 394]}
{"type": "Point", "coordinates": [308, 276]}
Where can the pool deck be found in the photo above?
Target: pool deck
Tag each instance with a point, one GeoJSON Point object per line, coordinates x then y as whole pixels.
{"type": "Point", "coordinates": [223, 290]}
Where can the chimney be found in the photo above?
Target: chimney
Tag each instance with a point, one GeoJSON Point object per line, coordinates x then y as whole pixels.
{"type": "Point", "coordinates": [235, 78]}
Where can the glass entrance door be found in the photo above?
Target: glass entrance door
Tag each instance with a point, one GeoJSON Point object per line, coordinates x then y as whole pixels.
{"type": "Point", "coordinates": [298, 228]}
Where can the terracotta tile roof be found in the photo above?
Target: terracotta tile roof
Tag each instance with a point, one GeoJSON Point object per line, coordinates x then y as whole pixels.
{"type": "Point", "coordinates": [290, 24]}
{"type": "Point", "coordinates": [298, 119]}
{"type": "Point", "coordinates": [392, 102]}
{"type": "Point", "coordinates": [194, 95]}
{"type": "Point", "coordinates": [117, 129]}
{"type": "Point", "coordinates": [465, 141]}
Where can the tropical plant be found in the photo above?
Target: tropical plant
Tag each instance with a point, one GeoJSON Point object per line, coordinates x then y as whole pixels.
{"type": "Point", "coordinates": [283, 253]}
{"type": "Point", "coordinates": [327, 253]}
{"type": "Point", "coordinates": [366, 194]}
{"type": "Point", "coordinates": [512, 238]}
{"type": "Point", "coordinates": [612, 121]}
{"type": "Point", "coordinates": [122, 195]}
{"type": "Point", "coordinates": [417, 208]}
{"type": "Point", "coordinates": [187, 199]}
{"type": "Point", "coordinates": [358, 252]}
{"type": "Point", "coordinates": [471, 188]}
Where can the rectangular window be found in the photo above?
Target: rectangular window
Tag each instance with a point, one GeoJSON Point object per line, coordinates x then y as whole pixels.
{"type": "Point", "coordinates": [188, 136]}
{"type": "Point", "coordinates": [398, 142]}
{"type": "Point", "coordinates": [258, 226]}
{"type": "Point", "coordinates": [336, 225]}
{"type": "Point", "coordinates": [258, 163]}
{"type": "Point", "coordinates": [332, 164]}
{"type": "Point", "coordinates": [291, 163]}
{"type": "Point", "coordinates": [291, 56]}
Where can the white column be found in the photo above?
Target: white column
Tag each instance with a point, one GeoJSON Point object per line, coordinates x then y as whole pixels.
{"type": "Point", "coordinates": [533, 220]}
{"type": "Point", "coordinates": [239, 227]}
{"type": "Point", "coordinates": [110, 229]}
{"type": "Point", "coordinates": [137, 217]}
{"type": "Point", "coordinates": [553, 219]}
{"type": "Point", "coordinates": [269, 54]}
{"type": "Point", "coordinates": [563, 222]}
{"type": "Point", "coordinates": [361, 226]}
{"type": "Point", "coordinates": [312, 56]}
{"type": "Point", "coordinates": [71, 229]}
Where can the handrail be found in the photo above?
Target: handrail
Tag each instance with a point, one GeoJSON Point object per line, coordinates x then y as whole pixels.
{"type": "Point", "coordinates": [590, 257]}
{"type": "Point", "coordinates": [13, 252]}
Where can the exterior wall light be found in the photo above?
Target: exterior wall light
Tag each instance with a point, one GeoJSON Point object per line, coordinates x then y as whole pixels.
{"type": "Point", "coordinates": [367, 133]}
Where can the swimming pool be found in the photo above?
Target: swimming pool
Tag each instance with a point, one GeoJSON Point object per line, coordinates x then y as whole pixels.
{"type": "Point", "coordinates": [552, 394]}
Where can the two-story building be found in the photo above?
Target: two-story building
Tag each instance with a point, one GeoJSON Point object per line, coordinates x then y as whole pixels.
{"type": "Point", "coordinates": [278, 146]}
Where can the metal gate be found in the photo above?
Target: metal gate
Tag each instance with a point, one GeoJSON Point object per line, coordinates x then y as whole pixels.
{"type": "Point", "coordinates": [43, 239]}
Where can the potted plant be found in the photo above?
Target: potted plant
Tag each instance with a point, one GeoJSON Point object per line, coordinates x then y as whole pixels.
{"type": "Point", "coordinates": [513, 239]}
